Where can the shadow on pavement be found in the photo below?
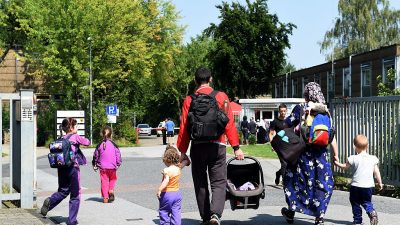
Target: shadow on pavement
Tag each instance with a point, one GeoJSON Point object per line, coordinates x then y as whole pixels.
{"type": "Point", "coordinates": [95, 199]}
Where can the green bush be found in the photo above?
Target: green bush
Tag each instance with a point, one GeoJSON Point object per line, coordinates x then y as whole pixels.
{"type": "Point", "coordinates": [126, 131]}
{"type": "Point", "coordinates": [252, 139]}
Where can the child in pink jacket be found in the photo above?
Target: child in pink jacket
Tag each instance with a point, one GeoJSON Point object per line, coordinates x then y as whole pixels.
{"type": "Point", "coordinates": [107, 157]}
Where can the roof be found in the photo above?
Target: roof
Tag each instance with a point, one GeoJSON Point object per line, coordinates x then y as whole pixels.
{"type": "Point", "coordinates": [271, 100]}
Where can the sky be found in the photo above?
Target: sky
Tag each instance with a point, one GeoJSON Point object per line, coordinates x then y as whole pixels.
{"type": "Point", "coordinates": [312, 18]}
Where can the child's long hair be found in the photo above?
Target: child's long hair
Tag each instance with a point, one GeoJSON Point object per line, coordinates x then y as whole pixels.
{"type": "Point", "coordinates": [171, 156]}
{"type": "Point", "coordinates": [68, 124]}
{"type": "Point", "coordinates": [106, 132]}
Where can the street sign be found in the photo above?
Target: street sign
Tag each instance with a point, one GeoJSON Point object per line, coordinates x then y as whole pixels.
{"type": "Point", "coordinates": [111, 119]}
{"type": "Point", "coordinates": [112, 110]}
{"type": "Point", "coordinates": [79, 115]}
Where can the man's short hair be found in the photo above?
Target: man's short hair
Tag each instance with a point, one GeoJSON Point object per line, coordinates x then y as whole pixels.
{"type": "Point", "coordinates": [202, 75]}
{"type": "Point", "coordinates": [282, 105]}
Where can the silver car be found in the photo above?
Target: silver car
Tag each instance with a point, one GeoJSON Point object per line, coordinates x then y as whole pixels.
{"type": "Point", "coordinates": [144, 129]}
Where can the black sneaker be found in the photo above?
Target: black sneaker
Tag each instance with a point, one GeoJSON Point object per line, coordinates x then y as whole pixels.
{"type": "Point", "coordinates": [373, 218]}
{"type": "Point", "coordinates": [288, 215]}
{"type": "Point", "coordinates": [111, 197]}
{"type": "Point", "coordinates": [277, 177]}
{"type": "Point", "coordinates": [45, 207]}
{"type": "Point", "coordinates": [215, 220]}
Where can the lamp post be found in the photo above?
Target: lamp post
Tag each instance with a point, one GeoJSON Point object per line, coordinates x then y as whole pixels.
{"type": "Point", "coordinates": [90, 89]}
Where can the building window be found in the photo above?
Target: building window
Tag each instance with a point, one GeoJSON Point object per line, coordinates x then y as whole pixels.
{"type": "Point", "coordinates": [303, 83]}
{"type": "Point", "coordinates": [267, 115]}
{"type": "Point", "coordinates": [346, 82]}
{"type": "Point", "coordinates": [317, 78]}
{"type": "Point", "coordinates": [366, 77]}
{"type": "Point", "coordinates": [331, 85]}
{"type": "Point", "coordinates": [387, 65]}
{"type": "Point", "coordinates": [276, 90]}
{"type": "Point", "coordinates": [294, 88]}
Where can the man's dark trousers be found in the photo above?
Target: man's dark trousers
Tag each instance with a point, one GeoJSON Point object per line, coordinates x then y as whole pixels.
{"type": "Point", "coordinates": [164, 136]}
{"type": "Point", "coordinates": [209, 157]}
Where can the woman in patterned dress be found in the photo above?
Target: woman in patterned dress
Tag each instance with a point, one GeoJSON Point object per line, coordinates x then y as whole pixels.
{"type": "Point", "coordinates": [308, 186]}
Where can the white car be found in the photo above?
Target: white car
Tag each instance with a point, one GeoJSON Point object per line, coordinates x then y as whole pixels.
{"type": "Point", "coordinates": [144, 129]}
{"type": "Point", "coordinates": [159, 129]}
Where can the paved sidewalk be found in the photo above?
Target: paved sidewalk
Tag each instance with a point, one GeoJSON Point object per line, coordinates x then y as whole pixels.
{"type": "Point", "coordinates": [124, 212]}
{"type": "Point", "coordinates": [17, 216]}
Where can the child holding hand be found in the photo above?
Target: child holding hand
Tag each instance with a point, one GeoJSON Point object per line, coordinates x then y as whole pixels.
{"type": "Point", "coordinates": [365, 167]}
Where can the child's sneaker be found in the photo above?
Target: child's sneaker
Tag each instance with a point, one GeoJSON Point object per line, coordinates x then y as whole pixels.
{"type": "Point", "coordinates": [111, 196]}
{"type": "Point", "coordinates": [215, 220]}
{"type": "Point", "coordinates": [373, 217]}
{"type": "Point", "coordinates": [105, 200]}
{"type": "Point", "coordinates": [46, 206]}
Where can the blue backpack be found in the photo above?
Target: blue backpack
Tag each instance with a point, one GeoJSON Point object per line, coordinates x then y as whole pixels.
{"type": "Point", "coordinates": [61, 154]}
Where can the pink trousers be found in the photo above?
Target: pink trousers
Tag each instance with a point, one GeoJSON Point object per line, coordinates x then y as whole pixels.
{"type": "Point", "coordinates": [108, 178]}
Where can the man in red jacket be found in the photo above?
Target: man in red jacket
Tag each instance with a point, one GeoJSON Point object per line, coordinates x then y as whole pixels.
{"type": "Point", "coordinates": [209, 155]}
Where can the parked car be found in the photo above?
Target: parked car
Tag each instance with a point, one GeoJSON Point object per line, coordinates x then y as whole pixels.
{"type": "Point", "coordinates": [159, 129]}
{"type": "Point", "coordinates": [144, 129]}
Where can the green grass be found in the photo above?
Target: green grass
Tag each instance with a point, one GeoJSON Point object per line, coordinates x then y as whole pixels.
{"type": "Point", "coordinates": [259, 150]}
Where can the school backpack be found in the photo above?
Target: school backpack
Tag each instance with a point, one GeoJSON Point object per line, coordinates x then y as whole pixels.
{"type": "Point", "coordinates": [206, 121]}
{"type": "Point", "coordinates": [61, 154]}
{"type": "Point", "coordinates": [288, 145]}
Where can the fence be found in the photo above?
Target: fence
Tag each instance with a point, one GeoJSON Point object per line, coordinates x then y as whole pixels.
{"type": "Point", "coordinates": [379, 119]}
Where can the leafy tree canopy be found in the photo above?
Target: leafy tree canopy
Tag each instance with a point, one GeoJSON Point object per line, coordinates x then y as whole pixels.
{"type": "Point", "coordinates": [133, 47]}
{"type": "Point", "coordinates": [249, 48]}
{"type": "Point", "coordinates": [362, 25]}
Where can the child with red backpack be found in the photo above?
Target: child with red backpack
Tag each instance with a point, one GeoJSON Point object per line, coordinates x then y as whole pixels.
{"type": "Point", "coordinates": [107, 158]}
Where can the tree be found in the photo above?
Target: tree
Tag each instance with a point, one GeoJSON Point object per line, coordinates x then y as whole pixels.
{"type": "Point", "coordinates": [249, 48]}
{"type": "Point", "coordinates": [387, 87]}
{"type": "Point", "coordinates": [362, 25]}
{"type": "Point", "coordinates": [133, 47]}
{"type": "Point", "coordinates": [287, 68]}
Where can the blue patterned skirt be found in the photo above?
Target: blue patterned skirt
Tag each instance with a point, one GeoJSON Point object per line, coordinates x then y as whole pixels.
{"type": "Point", "coordinates": [308, 186]}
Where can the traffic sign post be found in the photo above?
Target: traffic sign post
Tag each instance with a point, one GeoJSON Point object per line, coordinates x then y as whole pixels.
{"type": "Point", "coordinates": [112, 112]}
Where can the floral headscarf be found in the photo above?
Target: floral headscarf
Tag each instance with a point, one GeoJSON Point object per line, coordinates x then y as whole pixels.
{"type": "Point", "coordinates": [312, 92]}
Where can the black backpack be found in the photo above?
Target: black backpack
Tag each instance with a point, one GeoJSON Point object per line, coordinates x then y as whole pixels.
{"type": "Point", "coordinates": [61, 154]}
{"type": "Point", "coordinates": [206, 121]}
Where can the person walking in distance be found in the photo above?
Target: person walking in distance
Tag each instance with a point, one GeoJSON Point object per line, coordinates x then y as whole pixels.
{"type": "Point", "coordinates": [69, 178]}
{"type": "Point", "coordinates": [275, 126]}
{"type": "Point", "coordinates": [208, 157]}
{"type": "Point", "coordinates": [244, 127]}
{"type": "Point", "coordinates": [170, 126]}
{"type": "Point", "coordinates": [164, 131]}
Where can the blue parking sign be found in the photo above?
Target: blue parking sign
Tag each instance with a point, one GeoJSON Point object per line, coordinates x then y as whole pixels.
{"type": "Point", "coordinates": [111, 110]}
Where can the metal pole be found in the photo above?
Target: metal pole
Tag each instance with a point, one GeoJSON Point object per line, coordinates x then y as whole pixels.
{"type": "Point", "coordinates": [91, 91]}
{"type": "Point", "coordinates": [350, 74]}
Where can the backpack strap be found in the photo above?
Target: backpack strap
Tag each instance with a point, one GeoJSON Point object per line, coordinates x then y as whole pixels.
{"type": "Point", "coordinates": [213, 94]}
